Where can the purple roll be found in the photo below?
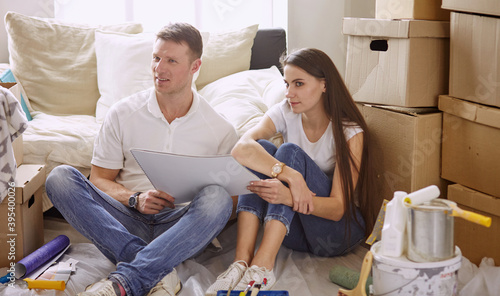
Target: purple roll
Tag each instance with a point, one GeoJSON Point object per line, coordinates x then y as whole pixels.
{"type": "Point", "coordinates": [41, 256]}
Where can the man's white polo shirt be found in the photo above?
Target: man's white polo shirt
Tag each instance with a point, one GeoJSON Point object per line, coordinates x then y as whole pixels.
{"type": "Point", "coordinates": [137, 122]}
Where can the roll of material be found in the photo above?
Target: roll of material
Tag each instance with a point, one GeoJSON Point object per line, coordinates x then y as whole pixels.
{"type": "Point", "coordinates": [41, 256]}
{"type": "Point", "coordinates": [347, 278]}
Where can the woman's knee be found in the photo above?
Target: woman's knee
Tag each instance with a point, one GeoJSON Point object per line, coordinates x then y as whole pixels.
{"type": "Point", "coordinates": [287, 152]}
{"type": "Point", "coordinates": [268, 146]}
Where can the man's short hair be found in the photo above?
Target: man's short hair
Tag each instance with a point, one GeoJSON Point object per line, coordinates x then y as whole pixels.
{"type": "Point", "coordinates": [183, 32]}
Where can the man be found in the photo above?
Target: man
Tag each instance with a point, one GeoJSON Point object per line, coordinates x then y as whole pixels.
{"type": "Point", "coordinates": [134, 226]}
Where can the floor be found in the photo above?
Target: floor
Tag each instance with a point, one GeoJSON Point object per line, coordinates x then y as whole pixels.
{"type": "Point", "coordinates": [296, 272]}
{"type": "Point", "coordinates": [54, 225]}
{"type": "Point", "coordinates": [299, 273]}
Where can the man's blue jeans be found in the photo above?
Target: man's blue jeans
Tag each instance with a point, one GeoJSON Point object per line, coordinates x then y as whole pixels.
{"type": "Point", "coordinates": [306, 233]}
{"type": "Point", "coordinates": [144, 247]}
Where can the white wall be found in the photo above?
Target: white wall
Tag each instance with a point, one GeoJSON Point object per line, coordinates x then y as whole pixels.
{"type": "Point", "coordinates": [317, 23]}
{"type": "Point", "coordinates": [360, 8]}
{"type": "Point", "coordinates": [40, 8]}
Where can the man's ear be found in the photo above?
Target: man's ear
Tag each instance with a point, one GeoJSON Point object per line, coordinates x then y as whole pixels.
{"type": "Point", "coordinates": [196, 65]}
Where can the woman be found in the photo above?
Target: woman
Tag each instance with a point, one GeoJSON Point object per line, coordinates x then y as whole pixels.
{"type": "Point", "coordinates": [314, 192]}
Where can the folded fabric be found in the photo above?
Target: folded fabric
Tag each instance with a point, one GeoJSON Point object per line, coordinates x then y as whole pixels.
{"type": "Point", "coordinates": [13, 122]}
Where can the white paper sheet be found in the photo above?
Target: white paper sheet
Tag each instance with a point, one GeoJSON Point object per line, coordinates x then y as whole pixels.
{"type": "Point", "coordinates": [183, 176]}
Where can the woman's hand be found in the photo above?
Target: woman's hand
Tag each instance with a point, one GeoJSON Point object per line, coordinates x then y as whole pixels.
{"type": "Point", "coordinates": [302, 196]}
{"type": "Point", "coordinates": [272, 191]}
{"type": "Point", "coordinates": [153, 201]}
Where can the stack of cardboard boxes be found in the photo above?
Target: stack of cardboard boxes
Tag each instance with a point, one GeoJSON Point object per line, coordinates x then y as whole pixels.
{"type": "Point", "coordinates": [397, 66]}
{"type": "Point", "coordinates": [471, 123]}
{"type": "Point", "coordinates": [21, 225]}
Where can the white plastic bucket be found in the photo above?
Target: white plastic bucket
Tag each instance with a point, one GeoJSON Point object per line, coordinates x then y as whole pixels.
{"type": "Point", "coordinates": [400, 276]}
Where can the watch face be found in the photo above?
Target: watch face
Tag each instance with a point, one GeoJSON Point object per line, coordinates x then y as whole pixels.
{"type": "Point", "coordinates": [277, 168]}
{"type": "Point", "coordinates": [131, 201]}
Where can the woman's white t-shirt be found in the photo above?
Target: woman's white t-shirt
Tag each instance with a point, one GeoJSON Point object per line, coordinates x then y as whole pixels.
{"type": "Point", "coordinates": [323, 152]}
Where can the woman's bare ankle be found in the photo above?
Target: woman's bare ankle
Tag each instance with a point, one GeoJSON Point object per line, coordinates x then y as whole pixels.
{"type": "Point", "coordinates": [267, 264]}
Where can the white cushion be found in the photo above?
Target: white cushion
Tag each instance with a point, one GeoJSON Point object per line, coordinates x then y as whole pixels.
{"type": "Point", "coordinates": [56, 140]}
{"type": "Point", "coordinates": [226, 53]}
{"type": "Point", "coordinates": [124, 66]}
{"type": "Point", "coordinates": [244, 97]}
{"type": "Point", "coordinates": [55, 62]}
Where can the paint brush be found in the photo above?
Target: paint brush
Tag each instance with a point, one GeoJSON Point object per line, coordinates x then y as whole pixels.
{"type": "Point", "coordinates": [257, 287]}
{"type": "Point", "coordinates": [255, 290]}
{"type": "Point", "coordinates": [249, 286]}
{"type": "Point", "coordinates": [229, 290]}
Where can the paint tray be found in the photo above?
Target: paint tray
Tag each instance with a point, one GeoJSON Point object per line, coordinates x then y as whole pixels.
{"type": "Point", "coordinates": [261, 293]}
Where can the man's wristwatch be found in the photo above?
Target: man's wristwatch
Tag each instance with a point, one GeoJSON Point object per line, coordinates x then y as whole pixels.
{"type": "Point", "coordinates": [277, 169]}
{"type": "Point", "coordinates": [132, 201]}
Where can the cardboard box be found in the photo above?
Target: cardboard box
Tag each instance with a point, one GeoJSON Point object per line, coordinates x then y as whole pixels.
{"type": "Point", "coordinates": [474, 58]}
{"type": "Point", "coordinates": [22, 208]}
{"type": "Point", "coordinates": [407, 148]}
{"type": "Point", "coordinates": [476, 241]}
{"type": "Point", "coordinates": [397, 62]}
{"type": "Point", "coordinates": [471, 141]}
{"type": "Point", "coordinates": [14, 88]}
{"type": "Point", "coordinates": [7, 85]}
{"type": "Point", "coordinates": [491, 7]}
{"type": "Point", "coordinates": [411, 9]}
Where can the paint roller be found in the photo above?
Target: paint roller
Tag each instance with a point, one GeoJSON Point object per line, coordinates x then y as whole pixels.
{"type": "Point", "coordinates": [347, 278]}
{"type": "Point", "coordinates": [468, 215]}
{"type": "Point", "coordinates": [423, 195]}
{"type": "Point", "coordinates": [360, 288]}
{"type": "Point", "coordinates": [431, 192]}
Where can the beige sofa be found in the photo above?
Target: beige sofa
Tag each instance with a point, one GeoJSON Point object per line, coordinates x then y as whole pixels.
{"type": "Point", "coordinates": [72, 73]}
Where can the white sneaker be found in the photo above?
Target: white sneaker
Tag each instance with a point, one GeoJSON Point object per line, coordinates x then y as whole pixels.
{"type": "Point", "coordinates": [103, 287]}
{"type": "Point", "coordinates": [257, 274]}
{"type": "Point", "coordinates": [170, 285]}
{"type": "Point", "coordinates": [229, 278]}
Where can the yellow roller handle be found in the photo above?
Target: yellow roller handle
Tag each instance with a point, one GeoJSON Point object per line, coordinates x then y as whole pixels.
{"type": "Point", "coordinates": [472, 217]}
{"type": "Point", "coordinates": [44, 284]}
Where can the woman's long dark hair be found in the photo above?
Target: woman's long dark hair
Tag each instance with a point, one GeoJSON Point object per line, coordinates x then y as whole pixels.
{"type": "Point", "coordinates": [342, 111]}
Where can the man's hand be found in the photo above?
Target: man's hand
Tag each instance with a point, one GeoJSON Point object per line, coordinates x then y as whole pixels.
{"type": "Point", "coordinates": [153, 201]}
